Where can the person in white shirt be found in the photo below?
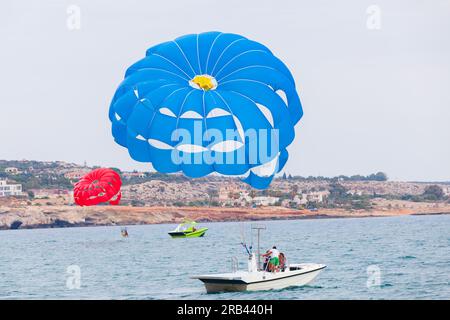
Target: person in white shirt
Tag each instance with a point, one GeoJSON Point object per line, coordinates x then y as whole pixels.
{"type": "Point", "coordinates": [274, 260]}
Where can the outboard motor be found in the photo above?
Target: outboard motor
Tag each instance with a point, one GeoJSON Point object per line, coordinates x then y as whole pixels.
{"type": "Point", "coordinates": [252, 266]}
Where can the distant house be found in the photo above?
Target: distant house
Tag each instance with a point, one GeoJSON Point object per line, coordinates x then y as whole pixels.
{"type": "Point", "coordinates": [446, 190]}
{"type": "Point", "coordinates": [75, 175]}
{"type": "Point", "coordinates": [12, 170]}
{"type": "Point", "coordinates": [7, 189]}
{"type": "Point", "coordinates": [245, 197]}
{"type": "Point", "coordinates": [354, 192]}
{"type": "Point", "coordinates": [313, 196]}
{"type": "Point", "coordinates": [317, 196]}
{"type": "Point", "coordinates": [133, 174]}
{"type": "Point", "coordinates": [265, 201]}
{"type": "Point", "coordinates": [227, 192]}
{"type": "Point", "coordinates": [233, 197]}
{"type": "Point", "coordinates": [300, 200]}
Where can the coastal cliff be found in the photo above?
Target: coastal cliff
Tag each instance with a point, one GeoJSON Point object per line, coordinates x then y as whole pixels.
{"type": "Point", "coordinates": [28, 217]}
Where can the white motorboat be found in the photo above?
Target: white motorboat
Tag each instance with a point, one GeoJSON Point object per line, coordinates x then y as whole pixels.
{"type": "Point", "coordinates": [256, 278]}
{"type": "Point", "coordinates": [253, 280]}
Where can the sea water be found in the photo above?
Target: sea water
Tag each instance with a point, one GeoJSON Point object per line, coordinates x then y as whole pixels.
{"type": "Point", "coordinates": [367, 258]}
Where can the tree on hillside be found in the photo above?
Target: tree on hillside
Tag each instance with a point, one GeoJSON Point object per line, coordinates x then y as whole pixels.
{"type": "Point", "coordinates": [433, 193]}
{"type": "Point", "coordinates": [30, 195]}
{"type": "Point", "coordinates": [379, 176]}
{"type": "Point", "coordinates": [338, 193]}
{"type": "Point", "coordinates": [294, 191]}
{"type": "Point", "coordinates": [212, 193]}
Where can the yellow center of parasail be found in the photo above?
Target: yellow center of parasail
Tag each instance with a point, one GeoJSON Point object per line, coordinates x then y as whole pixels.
{"type": "Point", "coordinates": [205, 82]}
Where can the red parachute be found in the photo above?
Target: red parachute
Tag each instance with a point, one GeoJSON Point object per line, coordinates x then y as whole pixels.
{"type": "Point", "coordinates": [98, 186]}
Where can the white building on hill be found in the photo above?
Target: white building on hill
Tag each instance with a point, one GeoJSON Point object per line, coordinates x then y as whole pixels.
{"type": "Point", "coordinates": [317, 196]}
{"type": "Point", "coordinates": [265, 201]}
{"type": "Point", "coordinates": [10, 189]}
{"type": "Point", "coordinates": [12, 170]}
{"type": "Point", "coordinates": [446, 190]}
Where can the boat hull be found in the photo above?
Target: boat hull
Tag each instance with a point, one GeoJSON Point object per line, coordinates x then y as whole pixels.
{"type": "Point", "coordinates": [196, 234]}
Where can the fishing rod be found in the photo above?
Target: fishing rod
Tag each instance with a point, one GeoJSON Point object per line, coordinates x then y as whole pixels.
{"type": "Point", "coordinates": [248, 249]}
{"type": "Point", "coordinates": [244, 243]}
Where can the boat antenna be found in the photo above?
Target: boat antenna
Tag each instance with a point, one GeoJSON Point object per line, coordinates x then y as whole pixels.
{"type": "Point", "coordinates": [242, 233]}
{"type": "Point", "coordinates": [258, 228]}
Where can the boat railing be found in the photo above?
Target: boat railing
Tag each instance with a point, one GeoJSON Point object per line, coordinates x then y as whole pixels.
{"type": "Point", "coordinates": [234, 264]}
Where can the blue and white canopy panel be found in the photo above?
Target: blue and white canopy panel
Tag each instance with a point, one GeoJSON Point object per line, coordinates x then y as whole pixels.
{"type": "Point", "coordinates": [209, 102]}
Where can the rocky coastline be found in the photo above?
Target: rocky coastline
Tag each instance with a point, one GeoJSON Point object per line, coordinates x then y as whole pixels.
{"type": "Point", "coordinates": [31, 217]}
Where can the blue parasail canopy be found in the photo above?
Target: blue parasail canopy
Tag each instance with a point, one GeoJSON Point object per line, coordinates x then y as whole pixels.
{"type": "Point", "coordinates": [208, 102]}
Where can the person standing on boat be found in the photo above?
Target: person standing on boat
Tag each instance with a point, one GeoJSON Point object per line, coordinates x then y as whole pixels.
{"type": "Point", "coordinates": [266, 261]}
{"type": "Point", "coordinates": [274, 260]}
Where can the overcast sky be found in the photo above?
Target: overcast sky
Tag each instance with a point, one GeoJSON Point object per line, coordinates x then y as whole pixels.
{"type": "Point", "coordinates": [376, 94]}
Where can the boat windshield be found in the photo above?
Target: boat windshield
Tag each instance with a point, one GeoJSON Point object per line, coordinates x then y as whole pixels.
{"type": "Point", "coordinates": [186, 226]}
